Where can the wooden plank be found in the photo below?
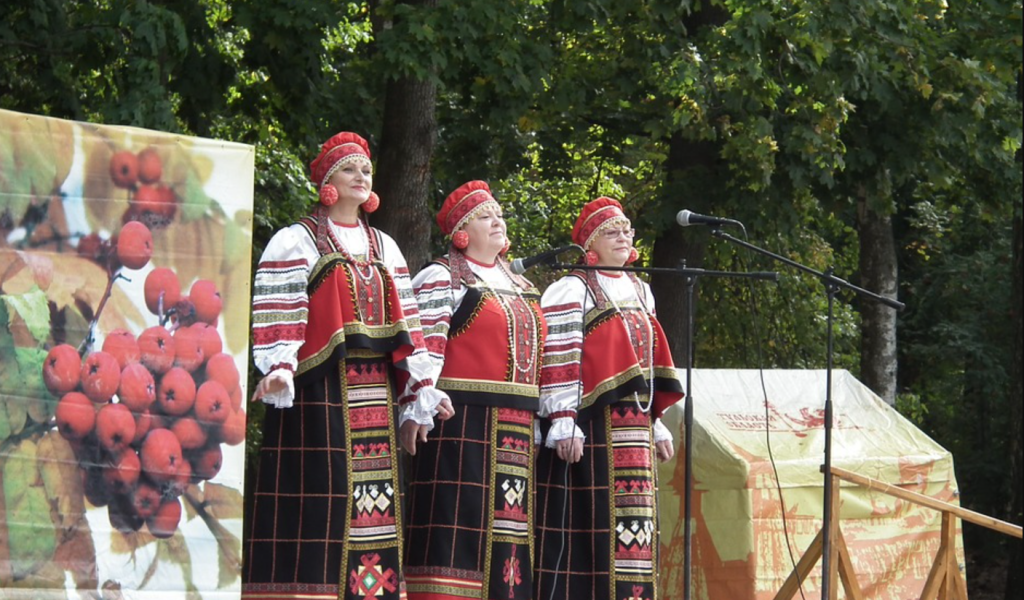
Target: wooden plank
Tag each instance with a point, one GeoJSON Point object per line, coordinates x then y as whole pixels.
{"type": "Point", "coordinates": [846, 572]}
{"type": "Point", "coordinates": [833, 548]}
{"type": "Point", "coordinates": [967, 515]}
{"type": "Point", "coordinates": [803, 568]}
{"type": "Point", "coordinates": [937, 574]}
{"type": "Point", "coordinates": [956, 587]}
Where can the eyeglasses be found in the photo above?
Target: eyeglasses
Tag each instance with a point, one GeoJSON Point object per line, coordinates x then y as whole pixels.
{"type": "Point", "coordinates": [611, 234]}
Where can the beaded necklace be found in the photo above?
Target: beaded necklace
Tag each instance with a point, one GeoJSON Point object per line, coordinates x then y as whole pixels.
{"type": "Point", "coordinates": [638, 342]}
{"type": "Point", "coordinates": [525, 318]}
{"type": "Point", "coordinates": [355, 266]}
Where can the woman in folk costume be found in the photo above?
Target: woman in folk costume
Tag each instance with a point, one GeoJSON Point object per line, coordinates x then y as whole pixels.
{"type": "Point", "coordinates": [607, 377]}
{"type": "Point", "coordinates": [336, 329]}
{"type": "Point", "coordinates": [470, 525]}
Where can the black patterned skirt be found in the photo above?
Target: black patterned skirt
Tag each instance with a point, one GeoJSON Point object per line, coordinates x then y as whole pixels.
{"type": "Point", "coordinates": [597, 519]}
{"type": "Point", "coordinates": [326, 514]}
{"type": "Point", "coordinates": [470, 524]}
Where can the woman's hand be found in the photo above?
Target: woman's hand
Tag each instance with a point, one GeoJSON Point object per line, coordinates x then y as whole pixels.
{"type": "Point", "coordinates": [570, 449]}
{"type": "Point", "coordinates": [665, 450]}
{"type": "Point", "coordinates": [445, 410]}
{"type": "Point", "coordinates": [271, 384]}
{"type": "Point", "coordinates": [411, 433]}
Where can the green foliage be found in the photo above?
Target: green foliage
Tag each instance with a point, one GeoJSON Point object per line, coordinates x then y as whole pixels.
{"type": "Point", "coordinates": [782, 115]}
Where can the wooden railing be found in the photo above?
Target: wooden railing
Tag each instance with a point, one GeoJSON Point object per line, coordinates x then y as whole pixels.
{"type": "Point", "coordinates": [945, 581]}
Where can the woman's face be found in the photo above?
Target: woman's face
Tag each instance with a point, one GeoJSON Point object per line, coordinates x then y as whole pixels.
{"type": "Point", "coordinates": [354, 182]}
{"type": "Point", "coordinates": [613, 244]}
{"type": "Point", "coordinates": [486, 232]}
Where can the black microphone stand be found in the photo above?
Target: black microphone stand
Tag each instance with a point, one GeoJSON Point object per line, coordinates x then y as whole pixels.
{"type": "Point", "coordinates": [832, 285]}
{"type": "Point", "coordinates": [690, 276]}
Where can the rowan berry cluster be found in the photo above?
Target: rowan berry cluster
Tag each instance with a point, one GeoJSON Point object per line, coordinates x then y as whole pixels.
{"type": "Point", "coordinates": [150, 200]}
{"type": "Point", "coordinates": [147, 414]}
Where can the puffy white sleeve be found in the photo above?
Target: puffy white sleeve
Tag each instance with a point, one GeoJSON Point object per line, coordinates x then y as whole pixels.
{"type": "Point", "coordinates": [563, 304]}
{"type": "Point", "coordinates": [280, 307]}
{"type": "Point", "coordinates": [419, 398]}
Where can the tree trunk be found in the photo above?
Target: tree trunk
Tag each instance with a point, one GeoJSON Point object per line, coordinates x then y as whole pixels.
{"type": "Point", "coordinates": [1014, 584]}
{"type": "Point", "coordinates": [403, 165]}
{"type": "Point", "coordinates": [878, 274]}
{"type": "Point", "coordinates": [690, 164]}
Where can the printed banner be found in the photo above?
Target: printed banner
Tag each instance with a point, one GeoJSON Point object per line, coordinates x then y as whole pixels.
{"type": "Point", "coordinates": [124, 316]}
{"type": "Point", "coordinates": [743, 489]}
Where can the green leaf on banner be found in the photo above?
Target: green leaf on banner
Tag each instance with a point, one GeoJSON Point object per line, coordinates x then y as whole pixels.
{"type": "Point", "coordinates": [194, 201]}
{"type": "Point", "coordinates": [13, 413]}
{"type": "Point", "coordinates": [32, 307]}
{"type": "Point", "coordinates": [29, 384]}
{"type": "Point", "coordinates": [229, 569]}
{"type": "Point", "coordinates": [177, 553]}
{"type": "Point", "coordinates": [31, 537]}
{"type": "Point", "coordinates": [62, 480]}
{"type": "Point", "coordinates": [6, 340]}
{"type": "Point", "coordinates": [221, 501]}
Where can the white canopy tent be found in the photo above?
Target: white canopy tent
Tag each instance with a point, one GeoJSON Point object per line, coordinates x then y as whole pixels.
{"type": "Point", "coordinates": [741, 549]}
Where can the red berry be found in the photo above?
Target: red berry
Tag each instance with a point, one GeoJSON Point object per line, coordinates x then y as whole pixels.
{"type": "Point", "coordinates": [207, 300]}
{"type": "Point", "coordinates": [160, 455]}
{"type": "Point", "coordinates": [156, 349]}
{"type": "Point", "coordinates": [188, 353]}
{"type": "Point", "coordinates": [209, 339]}
{"type": "Point", "coordinates": [165, 521]}
{"type": "Point", "coordinates": [144, 422]}
{"type": "Point", "coordinates": [153, 204]}
{"type": "Point", "coordinates": [89, 246]}
{"type": "Point", "coordinates": [181, 481]}
{"type": "Point", "coordinates": [146, 500]}
{"type": "Point", "coordinates": [190, 433]}
{"type": "Point", "coordinates": [161, 289]}
{"type": "Point", "coordinates": [62, 369]}
{"type": "Point", "coordinates": [121, 344]}
{"type": "Point", "coordinates": [101, 376]}
{"type": "Point", "coordinates": [177, 392]}
{"type": "Point", "coordinates": [232, 430]}
{"type": "Point", "coordinates": [124, 169]}
{"type": "Point", "coordinates": [212, 403]}
{"type": "Point", "coordinates": [221, 368]}
{"type": "Point", "coordinates": [115, 427]}
{"type": "Point", "coordinates": [150, 166]}
{"type": "Point", "coordinates": [123, 472]}
{"type": "Point", "coordinates": [76, 416]}
{"type": "Point", "coordinates": [207, 463]}
{"type": "Point", "coordinates": [134, 245]}
{"type": "Point", "coordinates": [138, 390]}
{"type": "Point", "coordinates": [236, 398]}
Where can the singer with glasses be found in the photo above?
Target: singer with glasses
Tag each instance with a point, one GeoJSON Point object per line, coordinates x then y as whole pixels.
{"type": "Point", "coordinates": [607, 377]}
{"type": "Point", "coordinates": [470, 525]}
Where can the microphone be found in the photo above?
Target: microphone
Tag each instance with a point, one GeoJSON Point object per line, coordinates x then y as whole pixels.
{"type": "Point", "coordinates": [688, 217]}
{"type": "Point", "coordinates": [520, 265]}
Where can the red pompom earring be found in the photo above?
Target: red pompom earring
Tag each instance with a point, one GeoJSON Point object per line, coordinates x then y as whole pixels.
{"type": "Point", "coordinates": [592, 258]}
{"type": "Point", "coordinates": [460, 239]}
{"type": "Point", "coordinates": [328, 194]}
{"type": "Point", "coordinates": [633, 255]}
{"type": "Point", "coordinates": [372, 203]}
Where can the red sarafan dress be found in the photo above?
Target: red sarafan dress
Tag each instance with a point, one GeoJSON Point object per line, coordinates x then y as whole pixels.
{"type": "Point", "coordinates": [470, 520]}
{"type": "Point", "coordinates": [607, 377]}
{"type": "Point", "coordinates": [333, 304]}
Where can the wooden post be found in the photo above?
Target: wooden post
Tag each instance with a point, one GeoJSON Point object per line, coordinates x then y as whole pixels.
{"type": "Point", "coordinates": [839, 563]}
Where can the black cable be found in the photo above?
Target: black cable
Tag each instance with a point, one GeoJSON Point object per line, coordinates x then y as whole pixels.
{"type": "Point", "coordinates": [572, 439]}
{"type": "Point", "coordinates": [767, 429]}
